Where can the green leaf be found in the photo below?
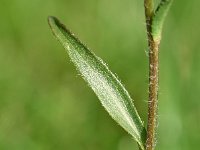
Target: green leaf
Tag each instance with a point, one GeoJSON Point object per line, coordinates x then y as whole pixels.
{"type": "Point", "coordinates": [104, 83]}
{"type": "Point", "coordinates": [159, 17]}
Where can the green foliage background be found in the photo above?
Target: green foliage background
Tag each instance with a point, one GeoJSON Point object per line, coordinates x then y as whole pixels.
{"type": "Point", "coordinates": [45, 105]}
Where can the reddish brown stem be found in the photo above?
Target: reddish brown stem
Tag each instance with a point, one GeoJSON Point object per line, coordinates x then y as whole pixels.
{"type": "Point", "coordinates": [153, 78]}
{"type": "Point", "coordinates": [153, 93]}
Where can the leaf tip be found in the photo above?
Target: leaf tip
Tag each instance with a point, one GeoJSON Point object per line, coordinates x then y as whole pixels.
{"type": "Point", "coordinates": [52, 21]}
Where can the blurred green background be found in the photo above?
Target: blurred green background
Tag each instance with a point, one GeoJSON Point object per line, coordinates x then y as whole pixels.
{"type": "Point", "coordinates": [45, 105]}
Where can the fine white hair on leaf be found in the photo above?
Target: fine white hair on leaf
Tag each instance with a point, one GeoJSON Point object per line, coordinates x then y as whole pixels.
{"type": "Point", "coordinates": [110, 91]}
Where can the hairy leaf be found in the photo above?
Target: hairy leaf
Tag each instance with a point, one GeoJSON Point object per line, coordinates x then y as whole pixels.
{"type": "Point", "coordinates": [104, 83]}
{"type": "Point", "coordinates": [159, 17]}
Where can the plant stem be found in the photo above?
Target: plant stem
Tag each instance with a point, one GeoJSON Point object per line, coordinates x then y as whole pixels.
{"type": "Point", "coordinates": [153, 77]}
{"type": "Point", "coordinates": [148, 6]}
{"type": "Point", "coordinates": [153, 94]}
